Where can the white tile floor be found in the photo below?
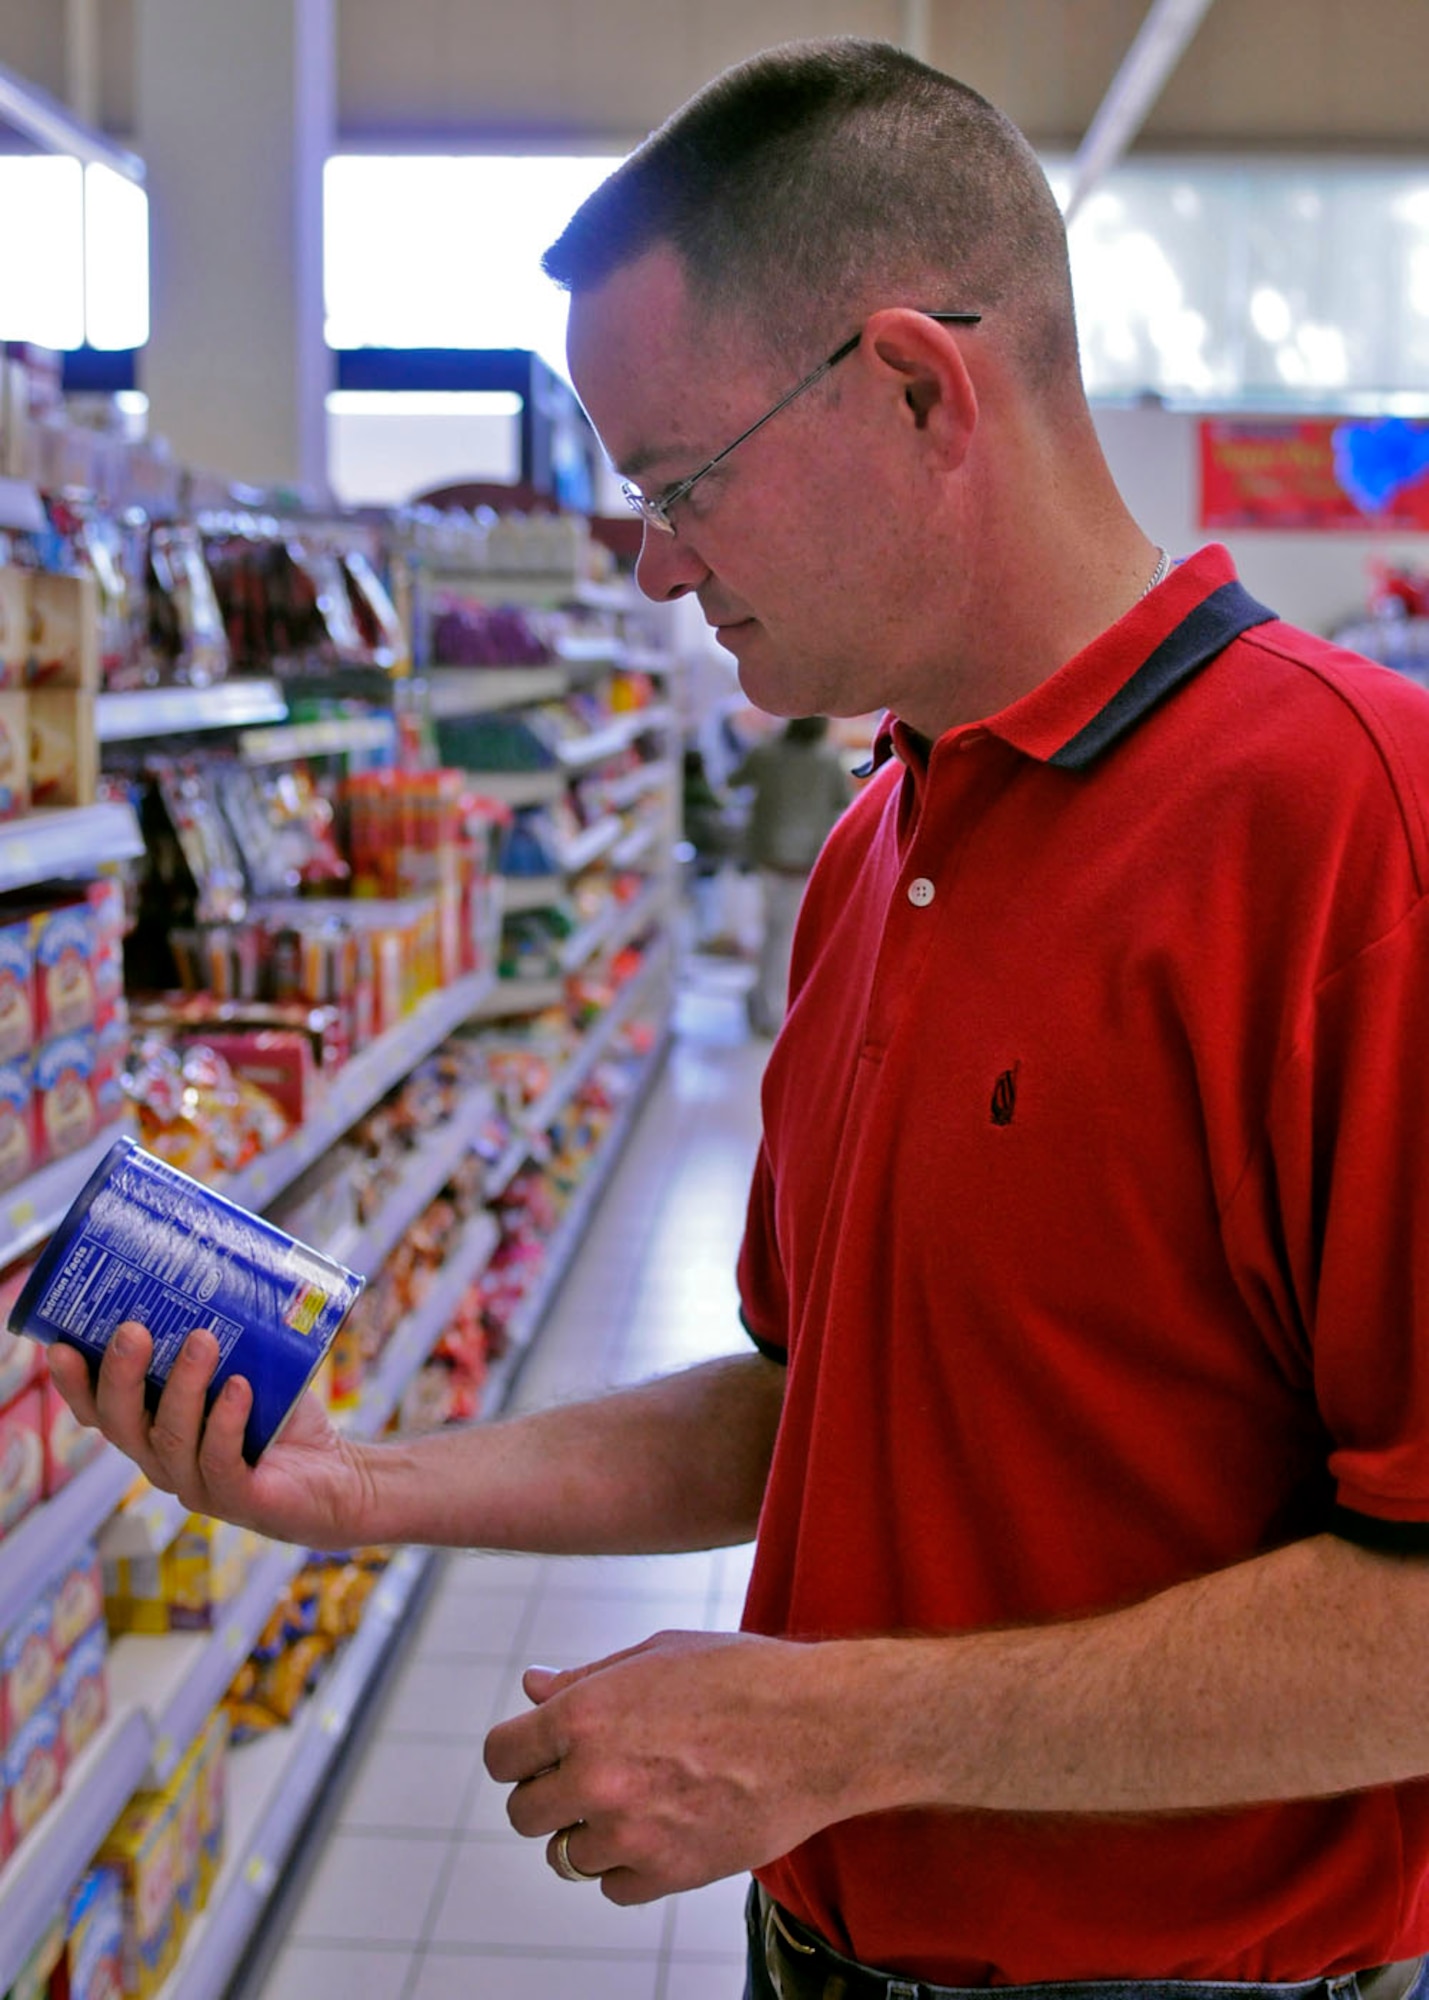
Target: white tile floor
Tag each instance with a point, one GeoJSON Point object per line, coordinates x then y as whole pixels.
{"type": "Point", "coordinates": [423, 1891]}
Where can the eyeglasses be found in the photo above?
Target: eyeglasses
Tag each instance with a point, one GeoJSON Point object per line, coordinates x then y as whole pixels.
{"type": "Point", "coordinates": [656, 513]}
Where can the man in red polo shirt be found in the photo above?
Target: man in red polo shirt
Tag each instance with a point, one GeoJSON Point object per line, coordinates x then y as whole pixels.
{"type": "Point", "coordinates": [1087, 1430]}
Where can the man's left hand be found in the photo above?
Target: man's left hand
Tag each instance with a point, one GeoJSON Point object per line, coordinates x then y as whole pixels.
{"type": "Point", "coordinates": [693, 1756]}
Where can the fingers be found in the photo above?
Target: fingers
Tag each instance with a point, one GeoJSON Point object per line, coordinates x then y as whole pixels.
{"type": "Point", "coordinates": [69, 1371]}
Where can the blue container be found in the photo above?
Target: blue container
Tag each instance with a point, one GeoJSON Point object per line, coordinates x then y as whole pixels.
{"type": "Point", "coordinates": [144, 1242]}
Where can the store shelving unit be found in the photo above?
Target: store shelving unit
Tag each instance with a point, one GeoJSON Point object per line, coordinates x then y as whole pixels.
{"type": "Point", "coordinates": [162, 1690]}
{"type": "Point", "coordinates": [67, 843]}
{"type": "Point", "coordinates": [358, 1085]}
{"type": "Point", "coordinates": [148, 713]}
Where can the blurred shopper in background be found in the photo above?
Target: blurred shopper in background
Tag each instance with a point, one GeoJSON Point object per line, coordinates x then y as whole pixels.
{"type": "Point", "coordinates": [799, 788]}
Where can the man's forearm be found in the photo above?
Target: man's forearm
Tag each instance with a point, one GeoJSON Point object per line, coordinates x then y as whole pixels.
{"type": "Point", "coordinates": [678, 1463]}
{"type": "Point", "coordinates": [1298, 1674]}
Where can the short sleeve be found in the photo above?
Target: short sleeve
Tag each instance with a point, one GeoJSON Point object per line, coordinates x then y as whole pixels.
{"type": "Point", "coordinates": [763, 1294]}
{"type": "Point", "coordinates": [1349, 1164]}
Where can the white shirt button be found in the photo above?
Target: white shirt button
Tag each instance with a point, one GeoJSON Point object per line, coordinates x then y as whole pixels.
{"type": "Point", "coordinates": [921, 892]}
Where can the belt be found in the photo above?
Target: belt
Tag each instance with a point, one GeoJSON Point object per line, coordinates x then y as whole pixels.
{"type": "Point", "coordinates": [800, 1966]}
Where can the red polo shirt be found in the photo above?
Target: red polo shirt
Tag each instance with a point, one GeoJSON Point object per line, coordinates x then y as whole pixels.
{"type": "Point", "coordinates": [1093, 1216]}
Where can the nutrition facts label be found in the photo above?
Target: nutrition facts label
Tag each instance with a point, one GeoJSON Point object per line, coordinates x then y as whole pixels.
{"type": "Point", "coordinates": [94, 1290]}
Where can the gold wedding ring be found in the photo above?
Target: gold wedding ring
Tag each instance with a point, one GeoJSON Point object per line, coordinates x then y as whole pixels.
{"type": "Point", "coordinates": [561, 1857]}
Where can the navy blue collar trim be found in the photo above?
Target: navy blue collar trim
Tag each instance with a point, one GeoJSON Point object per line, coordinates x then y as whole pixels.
{"type": "Point", "coordinates": [1202, 633]}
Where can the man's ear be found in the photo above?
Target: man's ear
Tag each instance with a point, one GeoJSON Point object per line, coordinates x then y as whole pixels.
{"type": "Point", "coordinates": [931, 373]}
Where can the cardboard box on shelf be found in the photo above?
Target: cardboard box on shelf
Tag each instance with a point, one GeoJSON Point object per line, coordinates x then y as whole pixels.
{"type": "Point", "coordinates": [64, 747]}
{"type": "Point", "coordinates": [64, 625]}
{"type": "Point", "coordinates": [14, 625]}
{"type": "Point", "coordinates": [14, 755]}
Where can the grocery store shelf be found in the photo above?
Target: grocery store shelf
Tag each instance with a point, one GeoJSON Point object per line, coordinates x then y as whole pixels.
{"type": "Point", "coordinates": [479, 690]}
{"type": "Point", "coordinates": [413, 1340]}
{"type": "Point", "coordinates": [521, 996]}
{"type": "Point", "coordinates": [325, 736]}
{"type": "Point", "coordinates": [146, 1526]}
{"type": "Point", "coordinates": [590, 845]}
{"type": "Point", "coordinates": [46, 1542]}
{"type": "Point", "coordinates": [429, 1167]}
{"type": "Point", "coordinates": [579, 753]}
{"type": "Point", "coordinates": [531, 892]}
{"type": "Point", "coordinates": [598, 1041]}
{"type": "Point", "coordinates": [273, 1782]}
{"type": "Point", "coordinates": [172, 711]}
{"type": "Point", "coordinates": [525, 587]}
{"type": "Point", "coordinates": [637, 843]}
{"type": "Point", "coordinates": [176, 1681]}
{"type": "Point", "coordinates": [67, 843]}
{"type": "Point", "coordinates": [567, 1238]}
{"type": "Point", "coordinates": [358, 1085]}
{"type": "Point", "coordinates": [634, 785]}
{"type": "Point", "coordinates": [31, 1212]}
{"type": "Point", "coordinates": [519, 788]}
{"type": "Point", "coordinates": [38, 1878]}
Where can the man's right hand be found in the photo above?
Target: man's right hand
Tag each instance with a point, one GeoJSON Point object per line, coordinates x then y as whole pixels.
{"type": "Point", "coordinates": [308, 1487]}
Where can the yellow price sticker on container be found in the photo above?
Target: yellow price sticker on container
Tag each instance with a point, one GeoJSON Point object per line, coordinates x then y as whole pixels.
{"type": "Point", "coordinates": [258, 1872]}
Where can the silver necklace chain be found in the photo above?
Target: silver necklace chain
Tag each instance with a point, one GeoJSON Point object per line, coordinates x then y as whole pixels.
{"type": "Point", "coordinates": [1160, 573]}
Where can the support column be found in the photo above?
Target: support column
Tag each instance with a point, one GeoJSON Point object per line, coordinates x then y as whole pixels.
{"type": "Point", "coordinates": [235, 114]}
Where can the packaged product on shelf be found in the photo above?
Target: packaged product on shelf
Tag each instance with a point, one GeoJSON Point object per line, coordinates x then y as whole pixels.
{"type": "Point", "coordinates": [28, 1667]}
{"type": "Point", "coordinates": [21, 1362]}
{"type": "Point", "coordinates": [186, 641]}
{"type": "Point", "coordinates": [141, 1848]}
{"type": "Point", "coordinates": [92, 1967]}
{"type": "Point", "coordinates": [277, 1062]}
{"type": "Point", "coordinates": [14, 755]}
{"type": "Point", "coordinates": [66, 1074]}
{"type": "Point", "coordinates": [76, 1599]}
{"type": "Point", "coordinates": [209, 1755]}
{"type": "Point", "coordinates": [66, 938]}
{"type": "Point", "coordinates": [64, 748]}
{"type": "Point", "coordinates": [188, 1837]}
{"type": "Point", "coordinates": [22, 1457]}
{"type": "Point", "coordinates": [82, 1691]}
{"type": "Point", "coordinates": [64, 631]}
{"type": "Point", "coordinates": [36, 1979]}
{"type": "Point", "coordinates": [34, 1767]}
{"type": "Point", "coordinates": [183, 1588]}
{"type": "Point", "coordinates": [19, 1146]}
{"type": "Point", "coordinates": [14, 626]}
{"type": "Point", "coordinates": [17, 989]}
{"type": "Point", "coordinates": [69, 1444]}
{"type": "Point", "coordinates": [143, 1241]}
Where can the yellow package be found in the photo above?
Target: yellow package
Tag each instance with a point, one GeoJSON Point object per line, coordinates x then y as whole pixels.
{"type": "Point", "coordinates": [141, 1846]}
{"type": "Point", "coordinates": [133, 1595]}
{"type": "Point", "coordinates": [202, 1571]}
{"type": "Point", "coordinates": [210, 1755]}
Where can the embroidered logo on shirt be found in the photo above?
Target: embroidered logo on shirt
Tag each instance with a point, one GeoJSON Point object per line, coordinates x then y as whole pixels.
{"type": "Point", "coordinates": [1004, 1096]}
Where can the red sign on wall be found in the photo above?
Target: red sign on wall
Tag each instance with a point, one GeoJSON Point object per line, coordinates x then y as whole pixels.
{"type": "Point", "coordinates": [1315, 473]}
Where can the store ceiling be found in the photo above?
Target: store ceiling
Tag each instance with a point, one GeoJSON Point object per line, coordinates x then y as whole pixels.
{"type": "Point", "coordinates": [1301, 76]}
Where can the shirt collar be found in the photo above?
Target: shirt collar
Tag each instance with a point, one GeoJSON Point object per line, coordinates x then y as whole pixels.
{"type": "Point", "coordinates": [1105, 690]}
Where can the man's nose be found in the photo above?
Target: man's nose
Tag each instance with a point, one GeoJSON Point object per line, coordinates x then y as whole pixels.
{"type": "Point", "coordinates": [667, 566]}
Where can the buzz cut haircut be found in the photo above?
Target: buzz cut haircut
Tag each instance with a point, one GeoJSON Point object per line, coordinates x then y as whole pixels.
{"type": "Point", "coordinates": [822, 179]}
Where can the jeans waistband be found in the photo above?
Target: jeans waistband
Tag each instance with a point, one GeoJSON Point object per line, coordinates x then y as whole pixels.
{"type": "Point", "coordinates": [790, 1962]}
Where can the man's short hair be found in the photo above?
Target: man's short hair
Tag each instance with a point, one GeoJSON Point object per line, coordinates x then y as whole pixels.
{"type": "Point", "coordinates": [824, 179]}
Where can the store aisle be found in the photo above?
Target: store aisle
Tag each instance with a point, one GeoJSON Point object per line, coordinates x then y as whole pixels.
{"type": "Point", "coordinates": [423, 1891]}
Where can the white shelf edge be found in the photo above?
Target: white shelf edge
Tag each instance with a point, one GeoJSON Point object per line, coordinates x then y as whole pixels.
{"type": "Point", "coordinates": [67, 843]}
{"type": "Point", "coordinates": [327, 736]}
{"type": "Point", "coordinates": [455, 691]}
{"type": "Point", "coordinates": [358, 1085]}
{"type": "Point", "coordinates": [530, 892]}
{"type": "Point", "coordinates": [635, 785]}
{"type": "Point", "coordinates": [520, 996]}
{"type": "Point", "coordinates": [519, 788]}
{"type": "Point", "coordinates": [148, 712]}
